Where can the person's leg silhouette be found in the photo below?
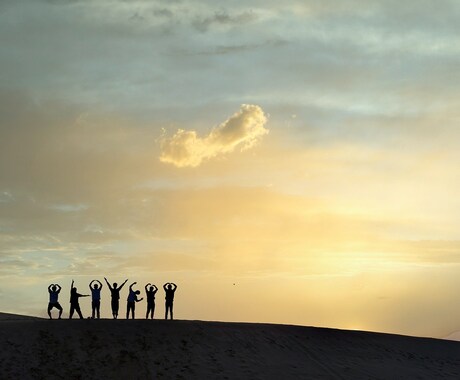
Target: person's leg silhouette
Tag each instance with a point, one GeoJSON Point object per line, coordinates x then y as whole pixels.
{"type": "Point", "coordinates": [130, 308]}
{"type": "Point", "coordinates": [72, 309]}
{"type": "Point", "coordinates": [77, 309]}
{"type": "Point", "coordinates": [115, 307]}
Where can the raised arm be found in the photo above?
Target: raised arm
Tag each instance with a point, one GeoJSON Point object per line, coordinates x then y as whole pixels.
{"type": "Point", "coordinates": [58, 287]}
{"type": "Point", "coordinates": [108, 284]}
{"type": "Point", "coordinates": [155, 289]}
{"type": "Point", "coordinates": [146, 286]}
{"type": "Point", "coordinates": [165, 285]}
{"type": "Point", "coordinates": [49, 288]}
{"type": "Point", "coordinates": [91, 283]}
{"type": "Point", "coordinates": [71, 286]}
{"type": "Point", "coordinates": [100, 284]}
{"type": "Point", "coordinates": [122, 284]}
{"type": "Point", "coordinates": [131, 286]}
{"type": "Point", "coordinates": [175, 286]}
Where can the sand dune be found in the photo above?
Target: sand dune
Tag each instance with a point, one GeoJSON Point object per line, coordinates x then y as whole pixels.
{"type": "Point", "coordinates": [107, 349]}
{"type": "Point", "coordinates": [11, 317]}
{"type": "Point", "coordinates": [454, 336]}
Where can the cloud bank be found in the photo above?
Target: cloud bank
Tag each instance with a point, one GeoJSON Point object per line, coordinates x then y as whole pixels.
{"type": "Point", "coordinates": [244, 129]}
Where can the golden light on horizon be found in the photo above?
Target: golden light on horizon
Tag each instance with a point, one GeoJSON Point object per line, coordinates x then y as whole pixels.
{"type": "Point", "coordinates": [314, 168]}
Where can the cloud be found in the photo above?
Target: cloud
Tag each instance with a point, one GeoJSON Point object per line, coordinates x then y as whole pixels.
{"type": "Point", "coordinates": [243, 129]}
{"type": "Point", "coordinates": [223, 18]}
{"type": "Point", "coordinates": [230, 49]}
{"type": "Point", "coordinates": [163, 12]}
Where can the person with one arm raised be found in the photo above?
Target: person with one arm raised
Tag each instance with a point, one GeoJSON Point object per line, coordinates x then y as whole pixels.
{"type": "Point", "coordinates": [96, 298]}
{"type": "Point", "coordinates": [150, 295]}
{"type": "Point", "coordinates": [115, 293]}
{"type": "Point", "coordinates": [132, 299]}
{"type": "Point", "coordinates": [170, 289]}
{"type": "Point", "coordinates": [54, 290]}
{"type": "Point", "coordinates": [74, 304]}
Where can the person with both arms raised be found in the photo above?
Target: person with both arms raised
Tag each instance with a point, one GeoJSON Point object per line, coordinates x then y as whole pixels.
{"type": "Point", "coordinates": [96, 298]}
{"type": "Point", "coordinates": [115, 293]}
{"type": "Point", "coordinates": [54, 290]}
{"type": "Point", "coordinates": [150, 294]}
{"type": "Point", "coordinates": [169, 290]}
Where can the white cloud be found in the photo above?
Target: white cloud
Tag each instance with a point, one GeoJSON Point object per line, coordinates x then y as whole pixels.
{"type": "Point", "coordinates": [244, 129]}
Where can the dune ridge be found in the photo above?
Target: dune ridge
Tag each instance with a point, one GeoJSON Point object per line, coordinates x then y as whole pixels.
{"type": "Point", "coordinates": [454, 336]}
{"type": "Point", "coordinates": [34, 348]}
{"type": "Point", "coordinates": [16, 317]}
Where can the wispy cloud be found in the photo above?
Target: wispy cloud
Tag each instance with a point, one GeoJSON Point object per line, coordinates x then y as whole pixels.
{"type": "Point", "coordinates": [244, 129]}
{"type": "Point", "coordinates": [223, 18]}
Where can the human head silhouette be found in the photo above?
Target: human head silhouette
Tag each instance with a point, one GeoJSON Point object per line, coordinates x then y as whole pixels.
{"type": "Point", "coordinates": [53, 288]}
{"type": "Point", "coordinates": [137, 292]}
{"type": "Point", "coordinates": [151, 288]}
{"type": "Point", "coordinates": [96, 286]}
{"type": "Point", "coordinates": [114, 284]}
{"type": "Point", "coordinates": [74, 290]}
{"type": "Point", "coordinates": [169, 286]}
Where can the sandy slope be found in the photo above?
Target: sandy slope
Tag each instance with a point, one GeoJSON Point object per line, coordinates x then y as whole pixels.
{"type": "Point", "coordinates": [107, 349]}
{"type": "Point", "coordinates": [7, 316]}
{"type": "Point", "coordinates": [454, 336]}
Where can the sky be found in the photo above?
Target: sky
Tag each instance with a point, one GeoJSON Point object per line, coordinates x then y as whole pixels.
{"type": "Point", "coordinates": [291, 162]}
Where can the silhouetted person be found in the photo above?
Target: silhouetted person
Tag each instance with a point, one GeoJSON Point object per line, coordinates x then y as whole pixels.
{"type": "Point", "coordinates": [74, 305]}
{"type": "Point", "coordinates": [168, 287]}
{"type": "Point", "coordinates": [54, 290]}
{"type": "Point", "coordinates": [150, 295]}
{"type": "Point", "coordinates": [132, 299]}
{"type": "Point", "coordinates": [96, 298]}
{"type": "Point", "coordinates": [115, 293]}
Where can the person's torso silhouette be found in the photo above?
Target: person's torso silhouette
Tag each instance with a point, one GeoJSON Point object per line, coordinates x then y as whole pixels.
{"type": "Point", "coordinates": [115, 293]}
{"type": "Point", "coordinates": [150, 296]}
{"type": "Point", "coordinates": [54, 296]}
{"type": "Point", "coordinates": [74, 296]}
{"type": "Point", "coordinates": [169, 295]}
{"type": "Point", "coordinates": [132, 296]}
{"type": "Point", "coordinates": [96, 294]}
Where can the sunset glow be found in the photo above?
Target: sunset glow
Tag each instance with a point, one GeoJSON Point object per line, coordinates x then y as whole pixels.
{"type": "Point", "coordinates": [291, 162]}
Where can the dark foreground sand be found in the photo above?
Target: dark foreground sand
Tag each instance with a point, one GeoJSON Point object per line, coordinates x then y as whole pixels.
{"type": "Point", "coordinates": [106, 349]}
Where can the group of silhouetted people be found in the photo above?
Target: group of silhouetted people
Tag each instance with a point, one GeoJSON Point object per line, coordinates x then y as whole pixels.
{"type": "Point", "coordinates": [96, 286]}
